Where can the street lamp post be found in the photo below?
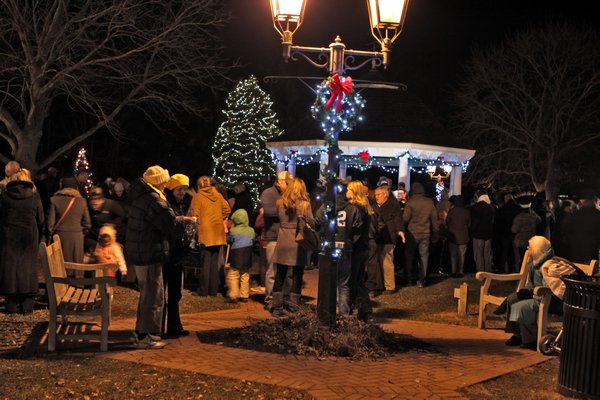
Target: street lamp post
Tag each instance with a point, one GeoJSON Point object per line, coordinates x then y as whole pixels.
{"type": "Point", "coordinates": [386, 18]}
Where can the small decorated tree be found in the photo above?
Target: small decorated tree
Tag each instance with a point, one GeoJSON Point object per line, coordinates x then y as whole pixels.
{"type": "Point", "coordinates": [239, 150]}
{"type": "Point", "coordinates": [82, 170]}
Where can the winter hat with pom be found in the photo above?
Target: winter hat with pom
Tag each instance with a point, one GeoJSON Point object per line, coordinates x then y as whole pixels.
{"type": "Point", "coordinates": [156, 175]}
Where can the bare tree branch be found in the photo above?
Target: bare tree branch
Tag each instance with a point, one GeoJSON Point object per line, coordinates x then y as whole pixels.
{"type": "Point", "coordinates": [104, 57]}
{"type": "Point", "coordinates": [529, 103]}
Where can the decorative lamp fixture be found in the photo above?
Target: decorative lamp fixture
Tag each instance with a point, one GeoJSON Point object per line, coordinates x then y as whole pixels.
{"type": "Point", "coordinates": [437, 172]}
{"type": "Point", "coordinates": [387, 19]}
{"type": "Point", "coordinates": [287, 18]}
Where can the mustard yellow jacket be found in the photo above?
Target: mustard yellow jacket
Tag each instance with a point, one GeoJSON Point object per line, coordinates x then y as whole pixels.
{"type": "Point", "coordinates": [212, 210]}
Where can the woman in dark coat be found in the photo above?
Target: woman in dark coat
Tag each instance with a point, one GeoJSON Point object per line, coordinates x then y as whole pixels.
{"type": "Point", "coordinates": [21, 225]}
{"type": "Point", "coordinates": [76, 222]}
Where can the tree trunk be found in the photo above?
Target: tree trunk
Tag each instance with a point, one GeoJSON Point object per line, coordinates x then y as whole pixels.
{"type": "Point", "coordinates": [551, 189]}
{"type": "Point", "coordinates": [27, 150]}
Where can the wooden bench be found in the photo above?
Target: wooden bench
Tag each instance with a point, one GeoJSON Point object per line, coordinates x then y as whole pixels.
{"type": "Point", "coordinates": [486, 298]}
{"type": "Point", "coordinates": [545, 293]}
{"type": "Point", "coordinates": [75, 296]}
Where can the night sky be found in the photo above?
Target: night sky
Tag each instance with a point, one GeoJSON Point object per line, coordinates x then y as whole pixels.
{"type": "Point", "coordinates": [437, 39]}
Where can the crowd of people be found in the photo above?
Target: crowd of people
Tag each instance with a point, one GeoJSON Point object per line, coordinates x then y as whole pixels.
{"type": "Point", "coordinates": [152, 227]}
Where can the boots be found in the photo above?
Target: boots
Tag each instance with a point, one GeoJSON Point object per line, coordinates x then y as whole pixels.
{"type": "Point", "coordinates": [11, 305]}
{"type": "Point", "coordinates": [232, 280]}
{"type": "Point", "coordinates": [27, 303]}
{"type": "Point", "coordinates": [277, 304]}
{"type": "Point", "coordinates": [294, 302]}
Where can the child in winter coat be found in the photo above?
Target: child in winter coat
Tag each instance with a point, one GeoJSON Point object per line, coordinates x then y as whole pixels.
{"type": "Point", "coordinates": [108, 250]}
{"type": "Point", "coordinates": [241, 239]}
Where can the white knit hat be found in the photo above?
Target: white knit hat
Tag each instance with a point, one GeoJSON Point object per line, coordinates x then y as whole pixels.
{"type": "Point", "coordinates": [156, 175]}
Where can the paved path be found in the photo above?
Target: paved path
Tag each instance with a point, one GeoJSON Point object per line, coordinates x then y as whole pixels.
{"type": "Point", "coordinates": [464, 356]}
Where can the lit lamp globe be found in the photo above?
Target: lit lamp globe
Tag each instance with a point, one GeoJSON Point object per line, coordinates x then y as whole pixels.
{"type": "Point", "coordinates": [387, 19]}
{"type": "Point", "coordinates": [287, 18]}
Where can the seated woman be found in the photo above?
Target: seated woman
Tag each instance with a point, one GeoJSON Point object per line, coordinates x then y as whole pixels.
{"type": "Point", "coordinates": [522, 307]}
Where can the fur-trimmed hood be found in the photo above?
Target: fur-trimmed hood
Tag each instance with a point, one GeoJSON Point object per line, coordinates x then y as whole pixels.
{"type": "Point", "coordinates": [71, 192]}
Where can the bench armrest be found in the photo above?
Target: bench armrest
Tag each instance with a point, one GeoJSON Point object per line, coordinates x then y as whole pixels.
{"type": "Point", "coordinates": [91, 267]}
{"type": "Point", "coordinates": [541, 291]}
{"type": "Point", "coordinates": [497, 277]}
{"type": "Point", "coordinates": [87, 281]}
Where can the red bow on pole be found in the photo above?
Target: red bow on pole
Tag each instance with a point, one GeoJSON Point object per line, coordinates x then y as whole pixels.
{"type": "Point", "coordinates": [338, 90]}
{"type": "Point", "coordinates": [364, 155]}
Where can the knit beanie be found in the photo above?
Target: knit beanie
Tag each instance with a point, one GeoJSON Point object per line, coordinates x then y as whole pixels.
{"type": "Point", "coordinates": [178, 180]}
{"type": "Point", "coordinates": [156, 175]}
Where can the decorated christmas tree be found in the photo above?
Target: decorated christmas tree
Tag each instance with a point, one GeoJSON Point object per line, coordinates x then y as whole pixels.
{"type": "Point", "coordinates": [82, 171]}
{"type": "Point", "coordinates": [239, 150]}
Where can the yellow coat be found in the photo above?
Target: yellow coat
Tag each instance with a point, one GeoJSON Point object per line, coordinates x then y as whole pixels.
{"type": "Point", "coordinates": [212, 210]}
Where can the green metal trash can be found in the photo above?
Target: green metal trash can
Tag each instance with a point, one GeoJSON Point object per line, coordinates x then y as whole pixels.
{"type": "Point", "coordinates": [579, 370]}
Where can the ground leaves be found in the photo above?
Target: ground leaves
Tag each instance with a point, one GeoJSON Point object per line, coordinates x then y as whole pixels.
{"type": "Point", "coordinates": [301, 334]}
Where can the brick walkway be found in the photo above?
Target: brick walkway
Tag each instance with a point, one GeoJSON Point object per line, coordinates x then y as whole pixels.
{"type": "Point", "coordinates": [465, 356]}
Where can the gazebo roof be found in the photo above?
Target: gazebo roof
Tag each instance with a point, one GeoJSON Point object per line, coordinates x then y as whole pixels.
{"type": "Point", "coordinates": [283, 149]}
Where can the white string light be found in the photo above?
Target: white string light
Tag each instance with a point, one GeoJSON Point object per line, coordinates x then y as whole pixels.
{"type": "Point", "coordinates": [239, 151]}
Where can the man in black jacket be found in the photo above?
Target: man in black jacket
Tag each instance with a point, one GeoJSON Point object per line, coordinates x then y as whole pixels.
{"type": "Point", "coordinates": [151, 222]}
{"type": "Point", "coordinates": [391, 213]}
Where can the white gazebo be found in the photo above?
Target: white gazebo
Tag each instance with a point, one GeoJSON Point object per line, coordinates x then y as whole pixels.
{"type": "Point", "coordinates": [404, 156]}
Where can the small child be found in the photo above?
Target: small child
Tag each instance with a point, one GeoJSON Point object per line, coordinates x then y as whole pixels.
{"type": "Point", "coordinates": [108, 250]}
{"type": "Point", "coordinates": [259, 228]}
{"type": "Point", "coordinates": [241, 238]}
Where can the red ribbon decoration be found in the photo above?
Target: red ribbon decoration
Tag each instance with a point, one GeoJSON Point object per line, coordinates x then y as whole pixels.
{"type": "Point", "coordinates": [364, 155]}
{"type": "Point", "coordinates": [338, 90]}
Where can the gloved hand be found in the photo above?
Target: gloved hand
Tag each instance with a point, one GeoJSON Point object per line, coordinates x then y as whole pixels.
{"type": "Point", "coordinates": [525, 294]}
{"type": "Point", "coordinates": [435, 237]}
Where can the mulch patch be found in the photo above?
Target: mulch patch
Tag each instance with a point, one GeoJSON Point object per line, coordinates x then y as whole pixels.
{"type": "Point", "coordinates": [301, 334]}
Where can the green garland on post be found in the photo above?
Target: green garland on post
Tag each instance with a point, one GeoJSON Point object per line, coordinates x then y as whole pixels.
{"type": "Point", "coordinates": [350, 109]}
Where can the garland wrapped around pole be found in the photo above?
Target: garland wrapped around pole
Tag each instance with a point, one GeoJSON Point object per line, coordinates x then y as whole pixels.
{"type": "Point", "coordinates": [337, 107]}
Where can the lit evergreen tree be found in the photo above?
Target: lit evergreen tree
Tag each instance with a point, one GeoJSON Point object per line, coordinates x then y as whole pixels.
{"type": "Point", "coordinates": [82, 166]}
{"type": "Point", "coordinates": [239, 150]}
